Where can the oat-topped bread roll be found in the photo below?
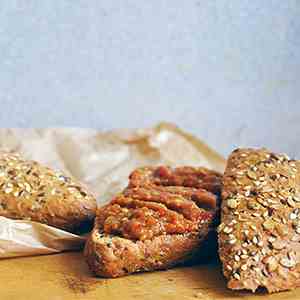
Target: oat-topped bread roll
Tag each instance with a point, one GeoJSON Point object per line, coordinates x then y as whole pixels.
{"type": "Point", "coordinates": [160, 220]}
{"type": "Point", "coordinates": [34, 192]}
{"type": "Point", "coordinates": [259, 237]}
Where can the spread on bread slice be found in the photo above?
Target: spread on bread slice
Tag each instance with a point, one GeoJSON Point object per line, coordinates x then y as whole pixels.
{"type": "Point", "coordinates": [158, 221]}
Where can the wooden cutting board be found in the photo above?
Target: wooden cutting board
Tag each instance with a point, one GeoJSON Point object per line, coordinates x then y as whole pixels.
{"type": "Point", "coordinates": [66, 277]}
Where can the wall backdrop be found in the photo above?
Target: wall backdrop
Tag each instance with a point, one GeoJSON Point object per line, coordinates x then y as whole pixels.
{"type": "Point", "coordinates": [227, 71]}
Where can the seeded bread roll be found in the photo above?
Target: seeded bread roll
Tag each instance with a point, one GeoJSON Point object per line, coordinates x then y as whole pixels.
{"type": "Point", "coordinates": [34, 192]}
{"type": "Point", "coordinates": [159, 221]}
{"type": "Point", "coordinates": [259, 236]}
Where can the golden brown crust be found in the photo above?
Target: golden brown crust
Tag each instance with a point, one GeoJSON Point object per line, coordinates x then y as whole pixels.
{"type": "Point", "coordinates": [260, 230]}
{"type": "Point", "coordinates": [34, 192]}
{"type": "Point", "coordinates": [151, 226]}
{"type": "Point", "coordinates": [113, 256]}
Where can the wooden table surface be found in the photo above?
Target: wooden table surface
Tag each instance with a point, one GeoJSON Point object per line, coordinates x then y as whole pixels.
{"type": "Point", "coordinates": [66, 276]}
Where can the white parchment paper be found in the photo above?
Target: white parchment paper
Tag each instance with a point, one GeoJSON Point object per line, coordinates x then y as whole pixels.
{"type": "Point", "coordinates": [102, 161]}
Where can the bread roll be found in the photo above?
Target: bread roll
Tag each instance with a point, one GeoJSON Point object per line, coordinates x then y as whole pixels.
{"type": "Point", "coordinates": [31, 191]}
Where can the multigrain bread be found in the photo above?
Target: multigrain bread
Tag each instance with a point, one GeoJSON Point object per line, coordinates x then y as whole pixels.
{"type": "Point", "coordinates": [34, 192]}
{"type": "Point", "coordinates": [159, 221]}
{"type": "Point", "coordinates": [259, 237]}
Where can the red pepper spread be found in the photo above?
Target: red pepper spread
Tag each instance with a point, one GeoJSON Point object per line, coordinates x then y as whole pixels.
{"type": "Point", "coordinates": [161, 201]}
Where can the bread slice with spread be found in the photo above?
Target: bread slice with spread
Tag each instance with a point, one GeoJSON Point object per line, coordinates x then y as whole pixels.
{"type": "Point", "coordinates": [162, 219]}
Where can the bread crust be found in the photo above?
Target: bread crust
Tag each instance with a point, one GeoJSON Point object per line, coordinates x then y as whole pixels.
{"type": "Point", "coordinates": [151, 225]}
{"type": "Point", "coordinates": [259, 232]}
{"type": "Point", "coordinates": [31, 191]}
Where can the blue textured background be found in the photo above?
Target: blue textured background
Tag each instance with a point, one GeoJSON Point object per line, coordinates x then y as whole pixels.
{"type": "Point", "coordinates": [227, 71]}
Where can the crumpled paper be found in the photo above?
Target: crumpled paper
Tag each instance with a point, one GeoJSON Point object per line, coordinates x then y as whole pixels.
{"type": "Point", "coordinates": [102, 161]}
